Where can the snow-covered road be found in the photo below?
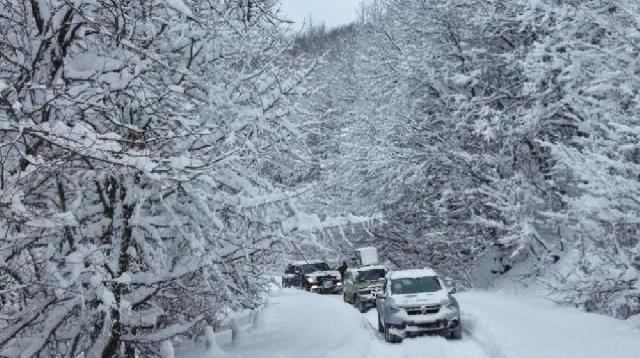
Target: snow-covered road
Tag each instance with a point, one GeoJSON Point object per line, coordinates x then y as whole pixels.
{"type": "Point", "coordinates": [298, 324]}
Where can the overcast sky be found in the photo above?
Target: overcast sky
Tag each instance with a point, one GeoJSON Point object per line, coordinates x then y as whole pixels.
{"type": "Point", "coordinates": [331, 12]}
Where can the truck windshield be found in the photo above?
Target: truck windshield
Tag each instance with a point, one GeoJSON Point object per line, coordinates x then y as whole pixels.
{"type": "Point", "coordinates": [318, 266]}
{"type": "Point", "coordinates": [370, 275]}
{"type": "Point", "coordinates": [404, 286]}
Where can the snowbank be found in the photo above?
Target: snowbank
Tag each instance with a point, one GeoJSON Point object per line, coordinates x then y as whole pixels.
{"type": "Point", "coordinates": [509, 326]}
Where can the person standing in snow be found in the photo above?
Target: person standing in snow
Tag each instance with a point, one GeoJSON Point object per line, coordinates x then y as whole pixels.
{"type": "Point", "coordinates": [343, 269]}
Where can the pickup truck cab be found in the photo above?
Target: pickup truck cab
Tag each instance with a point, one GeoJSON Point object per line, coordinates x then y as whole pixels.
{"type": "Point", "coordinates": [413, 302]}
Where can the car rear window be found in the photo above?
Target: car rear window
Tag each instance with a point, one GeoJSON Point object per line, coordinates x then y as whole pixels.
{"type": "Point", "coordinates": [403, 286]}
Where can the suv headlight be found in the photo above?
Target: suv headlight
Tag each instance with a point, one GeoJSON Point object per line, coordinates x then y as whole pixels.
{"type": "Point", "coordinates": [449, 304]}
{"type": "Point", "coordinates": [394, 308]}
{"type": "Point", "coordinates": [311, 279]}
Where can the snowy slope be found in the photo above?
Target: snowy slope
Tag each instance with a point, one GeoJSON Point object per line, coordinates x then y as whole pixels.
{"type": "Point", "coordinates": [524, 327]}
{"type": "Point", "coordinates": [299, 324]}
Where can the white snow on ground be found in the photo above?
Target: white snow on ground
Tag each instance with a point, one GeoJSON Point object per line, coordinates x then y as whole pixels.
{"type": "Point", "coordinates": [298, 324]}
{"type": "Point", "coordinates": [509, 326]}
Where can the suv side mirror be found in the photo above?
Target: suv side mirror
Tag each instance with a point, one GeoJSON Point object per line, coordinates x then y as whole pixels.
{"type": "Point", "coordinates": [452, 290]}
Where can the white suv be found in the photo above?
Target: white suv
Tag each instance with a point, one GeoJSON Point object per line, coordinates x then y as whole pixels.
{"type": "Point", "coordinates": [416, 301]}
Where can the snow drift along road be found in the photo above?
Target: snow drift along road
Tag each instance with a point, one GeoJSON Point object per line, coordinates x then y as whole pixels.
{"type": "Point", "coordinates": [509, 326]}
{"type": "Point", "coordinates": [302, 325]}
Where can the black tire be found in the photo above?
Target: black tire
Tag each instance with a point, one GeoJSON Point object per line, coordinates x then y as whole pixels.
{"type": "Point", "coordinates": [391, 338]}
{"type": "Point", "coordinates": [380, 327]}
{"type": "Point", "coordinates": [361, 306]}
{"type": "Point", "coordinates": [456, 333]}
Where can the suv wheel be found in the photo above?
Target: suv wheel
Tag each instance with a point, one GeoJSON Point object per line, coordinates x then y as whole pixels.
{"type": "Point", "coordinates": [456, 333]}
{"type": "Point", "coordinates": [360, 305]}
{"type": "Point", "coordinates": [389, 337]}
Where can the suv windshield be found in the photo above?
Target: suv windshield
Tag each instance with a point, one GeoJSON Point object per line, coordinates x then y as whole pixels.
{"type": "Point", "coordinates": [370, 275]}
{"type": "Point", "coordinates": [319, 266]}
{"type": "Point", "coordinates": [405, 286]}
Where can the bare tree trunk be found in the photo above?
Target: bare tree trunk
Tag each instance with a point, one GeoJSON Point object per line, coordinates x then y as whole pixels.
{"type": "Point", "coordinates": [120, 289]}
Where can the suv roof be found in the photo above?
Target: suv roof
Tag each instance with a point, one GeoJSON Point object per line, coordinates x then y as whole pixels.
{"type": "Point", "coordinates": [425, 272]}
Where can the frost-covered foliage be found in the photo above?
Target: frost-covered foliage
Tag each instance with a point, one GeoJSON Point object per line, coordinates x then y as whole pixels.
{"type": "Point", "coordinates": [133, 138]}
{"type": "Point", "coordinates": [506, 126]}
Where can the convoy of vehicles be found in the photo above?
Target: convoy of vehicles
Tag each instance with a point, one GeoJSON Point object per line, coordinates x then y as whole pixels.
{"type": "Point", "coordinates": [408, 302]}
{"type": "Point", "coordinates": [313, 276]}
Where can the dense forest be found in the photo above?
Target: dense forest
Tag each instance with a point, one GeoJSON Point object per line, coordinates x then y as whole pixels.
{"type": "Point", "coordinates": [161, 160]}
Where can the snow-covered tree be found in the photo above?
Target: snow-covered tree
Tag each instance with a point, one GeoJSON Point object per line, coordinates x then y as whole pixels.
{"type": "Point", "coordinates": [134, 133]}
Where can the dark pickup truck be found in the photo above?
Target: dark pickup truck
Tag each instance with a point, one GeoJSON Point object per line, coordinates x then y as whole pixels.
{"type": "Point", "coordinates": [313, 276]}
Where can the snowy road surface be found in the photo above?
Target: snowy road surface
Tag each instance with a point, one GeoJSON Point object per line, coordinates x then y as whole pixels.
{"type": "Point", "coordinates": [297, 324]}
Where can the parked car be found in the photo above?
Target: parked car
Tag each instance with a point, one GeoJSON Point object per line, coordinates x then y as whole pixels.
{"type": "Point", "coordinates": [360, 285]}
{"type": "Point", "coordinates": [313, 276]}
{"type": "Point", "coordinates": [414, 302]}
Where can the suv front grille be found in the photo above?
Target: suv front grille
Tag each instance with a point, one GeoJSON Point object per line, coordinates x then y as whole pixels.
{"type": "Point", "coordinates": [422, 310]}
{"type": "Point", "coordinates": [430, 325]}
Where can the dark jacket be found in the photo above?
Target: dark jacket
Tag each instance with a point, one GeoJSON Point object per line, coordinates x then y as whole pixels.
{"type": "Point", "coordinates": [343, 269]}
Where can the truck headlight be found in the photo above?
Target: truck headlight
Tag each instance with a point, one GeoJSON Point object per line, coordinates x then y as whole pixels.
{"type": "Point", "coordinates": [311, 280]}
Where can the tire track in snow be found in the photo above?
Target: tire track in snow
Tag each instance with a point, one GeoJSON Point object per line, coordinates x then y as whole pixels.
{"type": "Point", "coordinates": [489, 345]}
{"type": "Point", "coordinates": [299, 324]}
